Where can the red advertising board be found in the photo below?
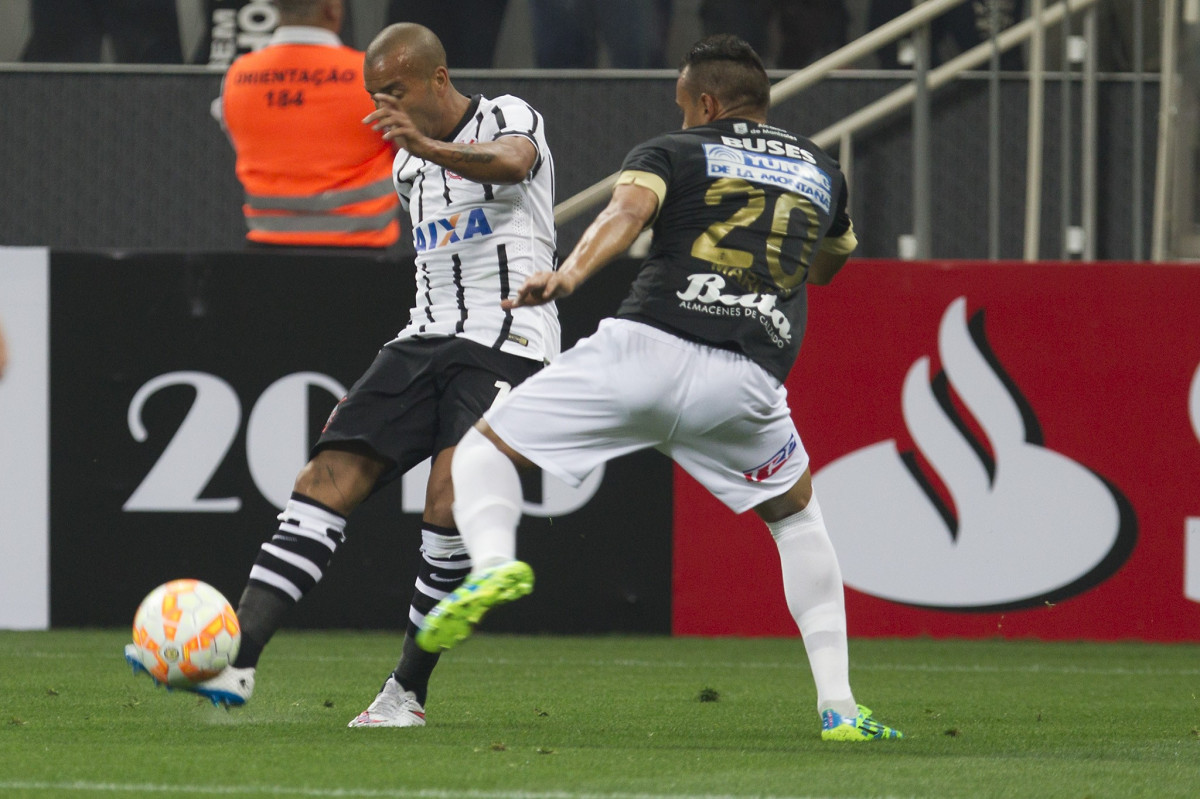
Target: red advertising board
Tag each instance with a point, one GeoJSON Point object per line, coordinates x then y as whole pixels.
{"type": "Point", "coordinates": [999, 449]}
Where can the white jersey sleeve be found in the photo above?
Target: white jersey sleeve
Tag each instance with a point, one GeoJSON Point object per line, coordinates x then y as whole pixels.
{"type": "Point", "coordinates": [476, 242]}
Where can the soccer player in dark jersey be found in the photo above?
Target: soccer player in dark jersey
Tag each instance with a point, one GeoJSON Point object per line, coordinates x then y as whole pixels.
{"type": "Point", "coordinates": [477, 179]}
{"type": "Point", "coordinates": [744, 215]}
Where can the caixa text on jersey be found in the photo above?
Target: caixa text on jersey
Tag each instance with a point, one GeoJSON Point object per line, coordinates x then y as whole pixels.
{"type": "Point", "coordinates": [451, 229]}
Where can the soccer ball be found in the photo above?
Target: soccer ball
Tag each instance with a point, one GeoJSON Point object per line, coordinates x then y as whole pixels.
{"type": "Point", "coordinates": [185, 632]}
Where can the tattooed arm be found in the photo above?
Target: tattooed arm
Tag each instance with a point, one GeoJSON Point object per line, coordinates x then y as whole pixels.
{"type": "Point", "coordinates": [506, 160]}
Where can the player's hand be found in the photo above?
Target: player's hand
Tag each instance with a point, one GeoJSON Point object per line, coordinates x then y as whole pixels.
{"type": "Point", "coordinates": [539, 289]}
{"type": "Point", "coordinates": [395, 125]}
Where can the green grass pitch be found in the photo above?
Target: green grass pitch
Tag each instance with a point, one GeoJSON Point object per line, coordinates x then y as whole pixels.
{"type": "Point", "coordinates": [516, 717]}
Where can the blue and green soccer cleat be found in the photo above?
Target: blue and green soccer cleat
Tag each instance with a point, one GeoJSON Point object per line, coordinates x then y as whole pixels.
{"type": "Point", "coordinates": [232, 687]}
{"type": "Point", "coordinates": [863, 727]}
{"type": "Point", "coordinates": [455, 617]}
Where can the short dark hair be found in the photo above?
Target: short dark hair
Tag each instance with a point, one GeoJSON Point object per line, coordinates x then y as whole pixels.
{"type": "Point", "coordinates": [728, 68]}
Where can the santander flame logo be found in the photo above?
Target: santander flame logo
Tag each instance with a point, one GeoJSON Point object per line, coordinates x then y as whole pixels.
{"type": "Point", "coordinates": [1022, 525]}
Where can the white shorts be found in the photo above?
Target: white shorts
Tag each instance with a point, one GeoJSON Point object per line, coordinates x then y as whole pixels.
{"type": "Point", "coordinates": [630, 386]}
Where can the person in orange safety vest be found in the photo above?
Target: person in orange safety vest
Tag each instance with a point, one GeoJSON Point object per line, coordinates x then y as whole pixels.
{"type": "Point", "coordinates": [314, 175]}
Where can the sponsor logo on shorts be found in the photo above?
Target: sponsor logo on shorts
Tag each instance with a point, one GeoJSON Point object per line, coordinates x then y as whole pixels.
{"type": "Point", "coordinates": [765, 470]}
{"type": "Point", "coordinates": [333, 414]}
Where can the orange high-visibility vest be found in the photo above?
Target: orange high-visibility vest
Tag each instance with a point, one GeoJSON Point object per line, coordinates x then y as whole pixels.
{"type": "Point", "coordinates": [313, 173]}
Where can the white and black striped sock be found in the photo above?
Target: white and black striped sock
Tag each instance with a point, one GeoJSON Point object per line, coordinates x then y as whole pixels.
{"type": "Point", "coordinates": [287, 567]}
{"type": "Point", "coordinates": [295, 558]}
{"type": "Point", "coordinates": [444, 565]}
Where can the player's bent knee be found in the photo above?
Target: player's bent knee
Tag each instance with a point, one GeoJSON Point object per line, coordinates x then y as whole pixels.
{"type": "Point", "coordinates": [474, 444]}
{"type": "Point", "coordinates": [485, 431]}
{"type": "Point", "coordinates": [339, 478]}
{"type": "Point", "coordinates": [794, 500]}
{"type": "Point", "coordinates": [477, 458]}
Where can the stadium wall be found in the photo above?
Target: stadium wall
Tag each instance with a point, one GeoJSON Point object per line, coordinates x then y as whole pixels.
{"type": "Point", "coordinates": [138, 162]}
{"type": "Point", "coordinates": [1000, 449]}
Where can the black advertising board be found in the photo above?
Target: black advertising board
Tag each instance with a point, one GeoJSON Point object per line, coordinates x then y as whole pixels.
{"type": "Point", "coordinates": [185, 390]}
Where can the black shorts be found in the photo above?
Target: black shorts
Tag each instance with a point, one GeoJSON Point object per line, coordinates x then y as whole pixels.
{"type": "Point", "coordinates": [420, 396]}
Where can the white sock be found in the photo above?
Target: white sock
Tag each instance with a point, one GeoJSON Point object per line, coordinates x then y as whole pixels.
{"type": "Point", "coordinates": [487, 501]}
{"type": "Point", "coordinates": [812, 583]}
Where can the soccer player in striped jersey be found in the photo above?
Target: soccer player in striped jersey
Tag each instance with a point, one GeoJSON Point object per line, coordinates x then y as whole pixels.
{"type": "Point", "coordinates": [477, 179]}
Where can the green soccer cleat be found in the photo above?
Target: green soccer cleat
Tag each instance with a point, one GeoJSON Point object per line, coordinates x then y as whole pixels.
{"type": "Point", "coordinates": [455, 617]}
{"type": "Point", "coordinates": [863, 727]}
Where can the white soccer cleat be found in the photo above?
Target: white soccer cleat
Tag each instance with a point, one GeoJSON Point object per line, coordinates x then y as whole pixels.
{"type": "Point", "coordinates": [133, 656]}
{"type": "Point", "coordinates": [231, 687]}
{"type": "Point", "coordinates": [394, 707]}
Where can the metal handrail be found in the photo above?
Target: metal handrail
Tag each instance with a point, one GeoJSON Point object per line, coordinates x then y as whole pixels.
{"type": "Point", "coordinates": [841, 132]}
{"type": "Point", "coordinates": [905, 95]}
{"type": "Point", "coordinates": [1166, 143]}
{"type": "Point", "coordinates": [885, 34]}
{"type": "Point", "coordinates": [898, 99]}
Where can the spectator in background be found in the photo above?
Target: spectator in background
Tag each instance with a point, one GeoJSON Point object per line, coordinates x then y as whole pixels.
{"type": "Point", "coordinates": [807, 29]}
{"type": "Point", "coordinates": [469, 34]}
{"type": "Point", "coordinates": [72, 31]}
{"type": "Point", "coordinates": [568, 34]}
{"type": "Point", "coordinates": [314, 175]}
{"type": "Point", "coordinates": [959, 29]}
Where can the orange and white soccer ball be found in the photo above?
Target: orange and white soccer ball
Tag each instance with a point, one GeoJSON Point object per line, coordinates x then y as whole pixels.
{"type": "Point", "coordinates": [185, 632]}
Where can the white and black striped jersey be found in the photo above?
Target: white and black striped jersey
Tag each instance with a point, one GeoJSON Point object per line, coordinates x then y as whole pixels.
{"type": "Point", "coordinates": [477, 242]}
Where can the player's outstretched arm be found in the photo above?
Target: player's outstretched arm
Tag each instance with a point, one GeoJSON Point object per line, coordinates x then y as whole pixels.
{"type": "Point", "coordinates": [609, 235]}
{"type": "Point", "coordinates": [503, 161]}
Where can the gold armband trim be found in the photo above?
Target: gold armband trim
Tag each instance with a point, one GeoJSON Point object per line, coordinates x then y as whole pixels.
{"type": "Point", "coordinates": [647, 180]}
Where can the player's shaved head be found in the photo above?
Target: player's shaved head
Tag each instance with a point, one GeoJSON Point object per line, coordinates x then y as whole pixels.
{"type": "Point", "coordinates": [407, 63]}
{"type": "Point", "coordinates": [415, 46]}
{"type": "Point", "coordinates": [727, 68]}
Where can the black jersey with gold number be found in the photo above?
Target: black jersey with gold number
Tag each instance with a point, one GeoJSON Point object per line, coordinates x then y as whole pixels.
{"type": "Point", "coordinates": [743, 208]}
